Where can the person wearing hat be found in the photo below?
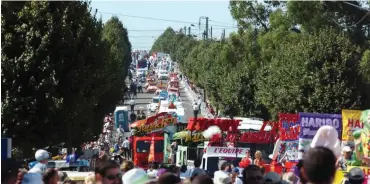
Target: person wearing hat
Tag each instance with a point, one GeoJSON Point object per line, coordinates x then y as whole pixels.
{"type": "Point", "coordinates": [42, 157]}
{"type": "Point", "coordinates": [355, 176]}
{"type": "Point", "coordinates": [273, 178]}
{"type": "Point", "coordinates": [234, 176]}
{"type": "Point", "coordinates": [135, 176]}
{"type": "Point", "coordinates": [342, 160]}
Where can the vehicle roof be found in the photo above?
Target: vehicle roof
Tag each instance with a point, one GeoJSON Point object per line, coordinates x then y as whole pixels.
{"type": "Point", "coordinates": [121, 108]}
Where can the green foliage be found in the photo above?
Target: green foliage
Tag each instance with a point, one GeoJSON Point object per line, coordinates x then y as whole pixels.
{"type": "Point", "coordinates": [267, 68]}
{"type": "Point", "coordinates": [58, 66]}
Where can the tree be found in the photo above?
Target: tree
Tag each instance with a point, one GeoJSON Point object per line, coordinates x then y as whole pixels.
{"type": "Point", "coordinates": [53, 76]}
{"type": "Point", "coordinates": [316, 75]}
{"type": "Point", "coordinates": [267, 68]}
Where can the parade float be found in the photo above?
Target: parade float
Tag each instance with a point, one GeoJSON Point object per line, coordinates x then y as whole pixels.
{"type": "Point", "coordinates": [149, 138]}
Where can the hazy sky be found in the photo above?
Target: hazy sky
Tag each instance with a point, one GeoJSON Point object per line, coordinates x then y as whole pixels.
{"type": "Point", "coordinates": [143, 31]}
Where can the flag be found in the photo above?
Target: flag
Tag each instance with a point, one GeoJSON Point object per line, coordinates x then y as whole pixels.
{"type": "Point", "coordinates": [151, 151]}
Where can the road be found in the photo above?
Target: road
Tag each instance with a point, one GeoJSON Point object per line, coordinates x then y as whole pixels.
{"type": "Point", "coordinates": [143, 100]}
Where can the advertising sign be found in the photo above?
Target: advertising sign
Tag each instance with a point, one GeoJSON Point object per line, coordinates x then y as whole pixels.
{"type": "Point", "coordinates": [351, 120]}
{"type": "Point", "coordinates": [157, 122]}
{"type": "Point", "coordinates": [289, 131]}
{"type": "Point", "coordinates": [226, 152]}
{"type": "Point", "coordinates": [365, 135]}
{"type": "Point", "coordinates": [311, 122]}
{"type": "Point", "coordinates": [189, 137]}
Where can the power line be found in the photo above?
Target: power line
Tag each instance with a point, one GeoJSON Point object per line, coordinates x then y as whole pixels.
{"type": "Point", "coordinates": [149, 18]}
{"type": "Point", "coordinates": [221, 22]}
{"type": "Point", "coordinates": [158, 30]}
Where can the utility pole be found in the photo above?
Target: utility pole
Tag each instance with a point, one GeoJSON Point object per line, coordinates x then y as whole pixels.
{"type": "Point", "coordinates": [189, 31]}
{"type": "Point", "coordinates": [211, 32]}
{"type": "Point", "coordinates": [185, 29]}
{"type": "Point", "coordinates": [207, 27]}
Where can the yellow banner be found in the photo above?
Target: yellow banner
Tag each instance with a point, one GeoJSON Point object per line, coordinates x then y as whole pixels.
{"type": "Point", "coordinates": [350, 122]}
{"type": "Point", "coordinates": [365, 134]}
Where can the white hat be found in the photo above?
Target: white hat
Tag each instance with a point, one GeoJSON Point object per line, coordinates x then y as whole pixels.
{"type": "Point", "coordinates": [135, 176]}
{"type": "Point", "coordinates": [32, 178]}
{"type": "Point", "coordinates": [41, 155]}
{"type": "Point", "coordinates": [346, 149]}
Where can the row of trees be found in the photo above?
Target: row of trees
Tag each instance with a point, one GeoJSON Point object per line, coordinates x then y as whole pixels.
{"type": "Point", "coordinates": [62, 71]}
{"type": "Point", "coordinates": [286, 57]}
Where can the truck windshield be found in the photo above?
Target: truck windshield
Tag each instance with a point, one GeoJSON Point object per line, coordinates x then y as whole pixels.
{"type": "Point", "coordinates": [142, 146]}
{"type": "Point", "coordinates": [159, 146]}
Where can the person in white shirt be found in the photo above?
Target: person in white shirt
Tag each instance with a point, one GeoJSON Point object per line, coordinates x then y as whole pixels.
{"type": "Point", "coordinates": [132, 104]}
{"type": "Point", "coordinates": [195, 109]}
{"type": "Point", "coordinates": [139, 87]}
{"type": "Point", "coordinates": [153, 170]}
{"type": "Point", "coordinates": [126, 148]}
{"type": "Point", "coordinates": [234, 176]}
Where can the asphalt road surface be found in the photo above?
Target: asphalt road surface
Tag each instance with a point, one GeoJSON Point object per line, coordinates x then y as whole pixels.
{"type": "Point", "coordinates": [143, 100]}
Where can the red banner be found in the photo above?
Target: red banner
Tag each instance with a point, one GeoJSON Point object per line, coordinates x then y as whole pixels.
{"type": "Point", "coordinates": [289, 126]}
{"type": "Point", "coordinates": [202, 124]}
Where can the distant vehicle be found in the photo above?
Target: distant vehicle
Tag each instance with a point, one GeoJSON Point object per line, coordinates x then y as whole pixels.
{"type": "Point", "coordinates": [163, 75]}
{"type": "Point", "coordinates": [153, 105]}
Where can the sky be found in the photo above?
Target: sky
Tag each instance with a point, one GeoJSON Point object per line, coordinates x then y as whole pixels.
{"type": "Point", "coordinates": [143, 31]}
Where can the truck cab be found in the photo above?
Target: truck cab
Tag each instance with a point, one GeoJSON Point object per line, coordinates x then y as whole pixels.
{"type": "Point", "coordinates": [141, 147]}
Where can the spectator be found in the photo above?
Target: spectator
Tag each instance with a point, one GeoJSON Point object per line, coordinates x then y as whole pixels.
{"type": "Point", "coordinates": [90, 179]}
{"type": "Point", "coordinates": [135, 176]}
{"type": "Point", "coordinates": [108, 172]}
{"type": "Point", "coordinates": [62, 176]}
{"type": "Point", "coordinates": [202, 179]}
{"type": "Point", "coordinates": [153, 170]}
{"type": "Point", "coordinates": [319, 165]}
{"type": "Point", "coordinates": [342, 161]}
{"type": "Point", "coordinates": [132, 104]}
{"type": "Point", "coordinates": [168, 178]}
{"type": "Point", "coordinates": [9, 171]}
{"type": "Point", "coordinates": [290, 178]}
{"type": "Point", "coordinates": [42, 157]}
{"type": "Point", "coordinates": [126, 166]}
{"type": "Point", "coordinates": [51, 177]}
{"type": "Point", "coordinates": [234, 176]}
{"type": "Point", "coordinates": [252, 175]}
{"type": "Point", "coordinates": [298, 171]}
{"type": "Point", "coordinates": [222, 178]}
{"type": "Point", "coordinates": [184, 172]}
{"type": "Point", "coordinates": [225, 168]}
{"type": "Point", "coordinates": [126, 148]}
{"type": "Point", "coordinates": [32, 178]}
{"type": "Point", "coordinates": [355, 176]}
{"type": "Point", "coordinates": [272, 177]}
{"type": "Point", "coordinates": [197, 171]}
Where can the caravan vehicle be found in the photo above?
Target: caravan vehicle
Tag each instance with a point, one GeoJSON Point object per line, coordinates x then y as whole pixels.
{"type": "Point", "coordinates": [214, 156]}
